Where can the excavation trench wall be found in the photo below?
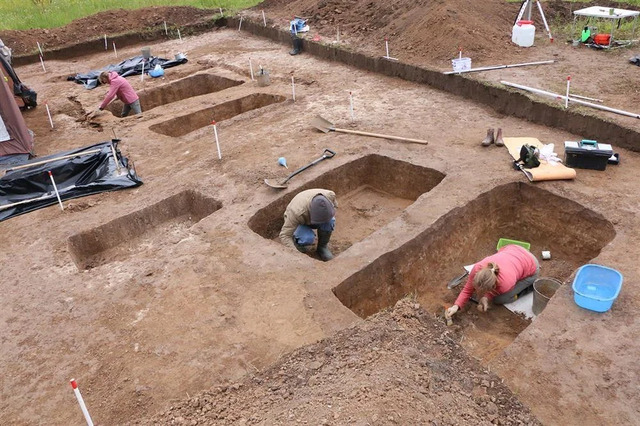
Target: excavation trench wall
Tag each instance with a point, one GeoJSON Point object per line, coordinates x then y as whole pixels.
{"type": "Point", "coordinates": [121, 41]}
{"type": "Point", "coordinates": [423, 266]}
{"type": "Point", "coordinates": [502, 100]}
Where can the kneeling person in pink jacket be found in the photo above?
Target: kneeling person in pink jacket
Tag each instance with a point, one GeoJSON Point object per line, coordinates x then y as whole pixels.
{"type": "Point", "coordinates": [500, 277]}
{"type": "Point", "coordinates": [120, 87]}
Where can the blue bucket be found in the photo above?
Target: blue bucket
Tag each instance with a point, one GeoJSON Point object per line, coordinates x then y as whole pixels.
{"type": "Point", "coordinates": [596, 287]}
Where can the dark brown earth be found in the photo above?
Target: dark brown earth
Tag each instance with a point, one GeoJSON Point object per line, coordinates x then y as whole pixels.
{"type": "Point", "coordinates": [400, 366]}
{"type": "Point", "coordinates": [188, 293]}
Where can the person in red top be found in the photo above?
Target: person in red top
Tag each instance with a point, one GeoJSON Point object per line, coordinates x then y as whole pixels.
{"type": "Point", "coordinates": [120, 87]}
{"type": "Point", "coordinates": [500, 277]}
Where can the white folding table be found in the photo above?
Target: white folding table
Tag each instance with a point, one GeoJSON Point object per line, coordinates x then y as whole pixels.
{"type": "Point", "coordinates": [611, 13]}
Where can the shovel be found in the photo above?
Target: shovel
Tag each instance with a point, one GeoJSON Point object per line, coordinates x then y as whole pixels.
{"type": "Point", "coordinates": [283, 184]}
{"type": "Point", "coordinates": [326, 126]}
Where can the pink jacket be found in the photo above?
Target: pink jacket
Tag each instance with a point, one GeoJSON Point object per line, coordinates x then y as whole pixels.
{"type": "Point", "coordinates": [120, 87]}
{"type": "Point", "coordinates": [515, 263]}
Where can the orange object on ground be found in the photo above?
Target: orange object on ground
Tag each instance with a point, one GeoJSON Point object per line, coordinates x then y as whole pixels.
{"type": "Point", "coordinates": [602, 39]}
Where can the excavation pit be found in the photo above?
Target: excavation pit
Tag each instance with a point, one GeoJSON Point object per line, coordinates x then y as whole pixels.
{"type": "Point", "coordinates": [195, 85]}
{"type": "Point", "coordinates": [149, 228]}
{"type": "Point", "coordinates": [371, 191]}
{"type": "Point", "coordinates": [424, 265]}
{"type": "Point", "coordinates": [182, 125]}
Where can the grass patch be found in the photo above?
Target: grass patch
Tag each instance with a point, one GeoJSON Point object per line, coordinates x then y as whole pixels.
{"type": "Point", "coordinates": [27, 14]}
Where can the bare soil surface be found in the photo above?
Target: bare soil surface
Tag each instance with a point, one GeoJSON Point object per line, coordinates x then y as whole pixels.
{"type": "Point", "coordinates": [182, 306]}
{"type": "Point", "coordinates": [399, 367]}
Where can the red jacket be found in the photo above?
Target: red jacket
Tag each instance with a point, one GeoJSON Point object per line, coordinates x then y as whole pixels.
{"type": "Point", "coordinates": [515, 263]}
{"type": "Point", "coordinates": [120, 87]}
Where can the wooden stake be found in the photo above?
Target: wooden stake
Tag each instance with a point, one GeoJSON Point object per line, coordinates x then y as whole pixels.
{"type": "Point", "coordinates": [221, 14]}
{"type": "Point", "coordinates": [106, 46]}
{"type": "Point", "coordinates": [166, 31]}
{"type": "Point", "coordinates": [240, 24]}
{"type": "Point", "coordinates": [42, 63]}
{"type": "Point", "coordinates": [293, 88]}
{"type": "Point", "coordinates": [39, 48]}
{"type": "Point", "coordinates": [264, 19]}
{"type": "Point", "coordinates": [566, 101]}
{"type": "Point", "coordinates": [115, 51]}
{"type": "Point", "coordinates": [179, 36]}
{"type": "Point", "coordinates": [215, 132]}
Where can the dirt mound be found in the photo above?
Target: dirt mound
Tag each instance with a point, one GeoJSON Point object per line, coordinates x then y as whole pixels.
{"type": "Point", "coordinates": [430, 30]}
{"type": "Point", "coordinates": [112, 22]}
{"type": "Point", "coordinates": [399, 366]}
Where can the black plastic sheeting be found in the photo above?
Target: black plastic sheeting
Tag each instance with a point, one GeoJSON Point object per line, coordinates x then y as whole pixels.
{"type": "Point", "coordinates": [131, 66]}
{"type": "Point", "coordinates": [31, 188]}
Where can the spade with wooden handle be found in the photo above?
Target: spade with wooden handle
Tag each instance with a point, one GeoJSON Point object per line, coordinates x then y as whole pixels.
{"type": "Point", "coordinates": [326, 126]}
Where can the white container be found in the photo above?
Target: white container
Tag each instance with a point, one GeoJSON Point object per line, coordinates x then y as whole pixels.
{"type": "Point", "coordinates": [461, 64]}
{"type": "Point", "coordinates": [523, 33]}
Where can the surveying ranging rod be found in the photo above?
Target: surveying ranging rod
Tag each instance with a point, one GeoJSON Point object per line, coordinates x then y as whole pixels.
{"type": "Point", "coordinates": [526, 7]}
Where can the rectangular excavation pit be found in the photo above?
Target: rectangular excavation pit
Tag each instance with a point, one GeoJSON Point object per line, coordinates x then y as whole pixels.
{"type": "Point", "coordinates": [424, 265]}
{"type": "Point", "coordinates": [371, 191]}
{"type": "Point", "coordinates": [188, 87]}
{"type": "Point", "coordinates": [151, 226]}
{"type": "Point", "coordinates": [180, 126]}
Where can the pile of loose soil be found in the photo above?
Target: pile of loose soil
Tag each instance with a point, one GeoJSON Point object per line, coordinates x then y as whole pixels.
{"type": "Point", "coordinates": [111, 22]}
{"type": "Point", "coordinates": [399, 366]}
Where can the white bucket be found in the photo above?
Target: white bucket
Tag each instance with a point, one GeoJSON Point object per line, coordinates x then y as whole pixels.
{"type": "Point", "coordinates": [523, 33]}
{"type": "Point", "coordinates": [461, 64]}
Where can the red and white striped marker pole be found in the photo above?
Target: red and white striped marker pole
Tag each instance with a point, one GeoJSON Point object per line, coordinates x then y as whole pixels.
{"type": "Point", "coordinates": [83, 407]}
{"type": "Point", "coordinates": [55, 188]}
{"type": "Point", "coordinates": [46, 105]}
{"type": "Point", "coordinates": [566, 101]}
{"type": "Point", "coordinates": [215, 132]}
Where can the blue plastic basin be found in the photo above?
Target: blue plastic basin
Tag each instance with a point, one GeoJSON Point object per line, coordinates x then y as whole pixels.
{"type": "Point", "coordinates": [596, 287]}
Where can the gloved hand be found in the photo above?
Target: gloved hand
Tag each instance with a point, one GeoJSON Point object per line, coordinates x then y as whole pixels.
{"type": "Point", "coordinates": [483, 304]}
{"type": "Point", "coordinates": [451, 311]}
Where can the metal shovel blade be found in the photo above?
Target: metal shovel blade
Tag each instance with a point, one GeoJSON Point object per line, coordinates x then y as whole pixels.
{"type": "Point", "coordinates": [276, 185]}
{"type": "Point", "coordinates": [322, 124]}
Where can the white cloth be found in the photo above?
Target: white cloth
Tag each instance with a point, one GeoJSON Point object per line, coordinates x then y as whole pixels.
{"type": "Point", "coordinates": [547, 154]}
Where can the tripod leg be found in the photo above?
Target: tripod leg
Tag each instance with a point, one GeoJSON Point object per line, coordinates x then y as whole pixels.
{"type": "Point", "coordinates": [546, 26]}
{"type": "Point", "coordinates": [525, 3]}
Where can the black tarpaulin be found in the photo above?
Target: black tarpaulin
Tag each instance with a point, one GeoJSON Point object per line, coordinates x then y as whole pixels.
{"type": "Point", "coordinates": [131, 66]}
{"type": "Point", "coordinates": [28, 189]}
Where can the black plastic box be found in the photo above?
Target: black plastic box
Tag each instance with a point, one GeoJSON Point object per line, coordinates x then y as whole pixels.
{"type": "Point", "coordinates": [587, 154]}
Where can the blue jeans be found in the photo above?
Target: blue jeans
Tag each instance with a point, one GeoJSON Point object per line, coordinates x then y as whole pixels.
{"type": "Point", "coordinates": [304, 235]}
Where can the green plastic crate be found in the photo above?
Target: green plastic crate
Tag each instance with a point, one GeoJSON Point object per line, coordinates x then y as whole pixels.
{"type": "Point", "coordinates": [505, 242]}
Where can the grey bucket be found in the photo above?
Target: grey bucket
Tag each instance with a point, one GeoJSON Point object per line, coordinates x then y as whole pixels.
{"type": "Point", "coordinates": [263, 78]}
{"type": "Point", "coordinates": [543, 291]}
{"type": "Point", "coordinates": [146, 52]}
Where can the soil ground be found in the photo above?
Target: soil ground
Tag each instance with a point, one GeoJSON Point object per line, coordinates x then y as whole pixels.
{"type": "Point", "coordinates": [185, 308]}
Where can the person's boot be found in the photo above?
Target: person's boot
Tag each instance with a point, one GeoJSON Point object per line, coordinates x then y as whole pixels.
{"type": "Point", "coordinates": [489, 139]}
{"type": "Point", "coordinates": [498, 141]}
{"type": "Point", "coordinates": [297, 46]}
{"type": "Point", "coordinates": [323, 242]}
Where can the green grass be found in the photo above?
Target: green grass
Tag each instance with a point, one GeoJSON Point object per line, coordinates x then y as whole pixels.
{"type": "Point", "coordinates": [26, 14]}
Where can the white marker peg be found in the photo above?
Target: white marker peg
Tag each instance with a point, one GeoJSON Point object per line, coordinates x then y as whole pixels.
{"type": "Point", "coordinates": [115, 51]}
{"type": "Point", "coordinates": [293, 88]}
{"type": "Point", "coordinates": [215, 132]}
{"type": "Point", "coordinates": [566, 101]}
{"type": "Point", "coordinates": [83, 407]}
{"type": "Point", "coordinates": [55, 188]}
{"type": "Point", "coordinates": [46, 105]}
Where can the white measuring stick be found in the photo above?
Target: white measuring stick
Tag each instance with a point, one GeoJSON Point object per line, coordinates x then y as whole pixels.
{"type": "Point", "coordinates": [293, 88]}
{"type": "Point", "coordinates": [251, 69]}
{"type": "Point", "coordinates": [55, 188]}
{"type": "Point", "coordinates": [42, 63]}
{"type": "Point", "coordinates": [106, 46]}
{"type": "Point", "coordinates": [386, 45]}
{"type": "Point", "coordinates": [353, 116]}
{"type": "Point", "coordinates": [114, 49]}
{"type": "Point", "coordinates": [574, 100]}
{"type": "Point", "coordinates": [215, 132]}
{"type": "Point", "coordinates": [566, 101]}
{"type": "Point", "coordinates": [83, 407]}
{"type": "Point", "coordinates": [179, 35]}
{"type": "Point", "coordinates": [264, 19]}
{"type": "Point", "coordinates": [586, 98]}
{"type": "Point", "coordinates": [497, 67]}
{"type": "Point", "coordinates": [46, 105]}
{"type": "Point", "coordinates": [166, 31]}
{"type": "Point", "coordinates": [39, 48]}
{"type": "Point", "coordinates": [544, 20]}
{"type": "Point", "coordinates": [240, 24]}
